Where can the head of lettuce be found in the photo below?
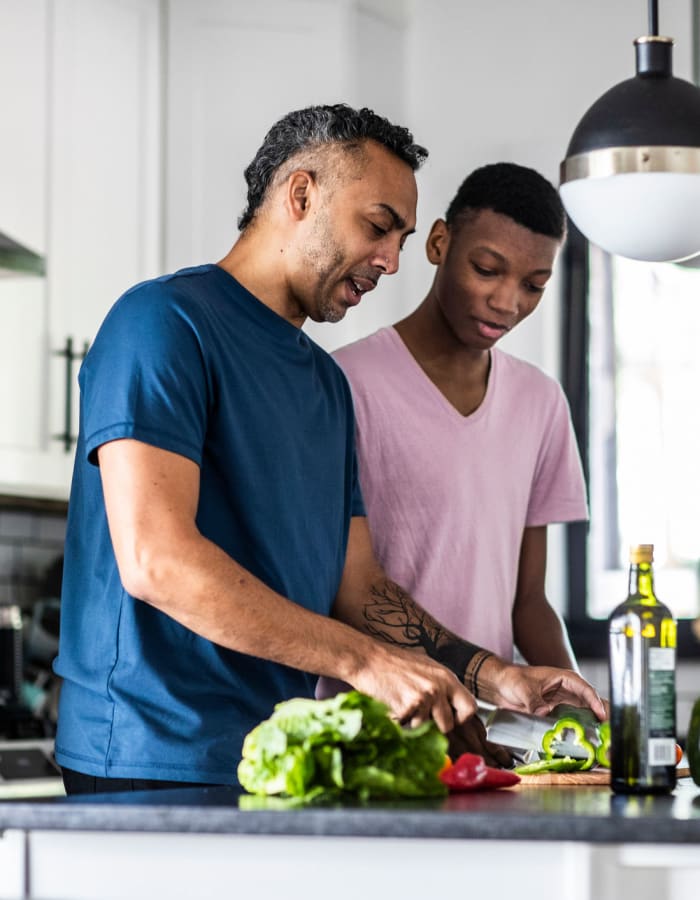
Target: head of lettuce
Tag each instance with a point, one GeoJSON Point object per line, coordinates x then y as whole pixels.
{"type": "Point", "coordinates": [346, 745]}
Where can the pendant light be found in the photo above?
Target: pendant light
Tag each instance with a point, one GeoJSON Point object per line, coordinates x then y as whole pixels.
{"type": "Point", "coordinates": [631, 178]}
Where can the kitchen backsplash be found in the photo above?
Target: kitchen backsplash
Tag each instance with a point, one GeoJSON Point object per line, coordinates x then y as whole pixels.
{"type": "Point", "coordinates": [31, 544]}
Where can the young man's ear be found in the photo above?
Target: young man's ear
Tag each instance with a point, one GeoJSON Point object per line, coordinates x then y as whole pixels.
{"type": "Point", "coordinates": [438, 242]}
{"type": "Point", "coordinates": [301, 188]}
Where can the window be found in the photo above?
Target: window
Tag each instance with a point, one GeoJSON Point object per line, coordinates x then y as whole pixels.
{"type": "Point", "coordinates": [632, 373]}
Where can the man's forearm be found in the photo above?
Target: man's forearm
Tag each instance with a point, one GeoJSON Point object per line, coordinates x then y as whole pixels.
{"type": "Point", "coordinates": [384, 610]}
{"type": "Point", "coordinates": [540, 635]}
{"type": "Point", "coordinates": [390, 614]}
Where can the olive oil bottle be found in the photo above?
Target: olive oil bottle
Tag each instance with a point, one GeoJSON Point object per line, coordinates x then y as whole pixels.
{"type": "Point", "coordinates": [642, 644]}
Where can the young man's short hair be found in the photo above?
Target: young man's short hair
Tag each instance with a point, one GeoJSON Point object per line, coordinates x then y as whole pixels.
{"type": "Point", "coordinates": [512, 190]}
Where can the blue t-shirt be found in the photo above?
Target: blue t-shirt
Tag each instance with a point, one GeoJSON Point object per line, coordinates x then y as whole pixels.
{"type": "Point", "coordinates": [195, 364]}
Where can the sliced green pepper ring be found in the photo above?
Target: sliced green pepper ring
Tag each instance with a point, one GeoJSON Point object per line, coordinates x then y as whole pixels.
{"type": "Point", "coordinates": [568, 730]}
{"type": "Point", "coordinates": [602, 751]}
{"type": "Point", "coordinates": [559, 764]}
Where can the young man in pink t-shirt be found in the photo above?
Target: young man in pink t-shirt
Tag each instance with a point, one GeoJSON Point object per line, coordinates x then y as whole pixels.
{"type": "Point", "coordinates": [467, 453]}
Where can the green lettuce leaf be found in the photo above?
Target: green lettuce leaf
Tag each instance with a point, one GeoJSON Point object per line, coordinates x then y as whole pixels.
{"type": "Point", "coordinates": [347, 744]}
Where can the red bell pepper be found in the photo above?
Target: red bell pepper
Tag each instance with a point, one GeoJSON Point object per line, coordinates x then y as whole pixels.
{"type": "Point", "coordinates": [497, 778]}
{"type": "Point", "coordinates": [469, 772]}
{"type": "Point", "coordinates": [465, 773]}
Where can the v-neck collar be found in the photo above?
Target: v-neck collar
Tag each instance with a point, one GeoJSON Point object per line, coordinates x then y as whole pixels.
{"type": "Point", "coordinates": [437, 395]}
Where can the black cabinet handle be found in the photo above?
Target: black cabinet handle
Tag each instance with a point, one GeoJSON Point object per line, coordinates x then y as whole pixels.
{"type": "Point", "coordinates": [67, 436]}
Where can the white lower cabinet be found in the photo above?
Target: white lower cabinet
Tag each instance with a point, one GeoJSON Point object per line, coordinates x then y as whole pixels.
{"type": "Point", "coordinates": [111, 866]}
{"type": "Point", "coordinates": [12, 865]}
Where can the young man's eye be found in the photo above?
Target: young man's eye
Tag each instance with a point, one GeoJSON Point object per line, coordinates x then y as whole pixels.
{"type": "Point", "coordinates": [482, 271]}
{"type": "Point", "coordinates": [378, 230]}
{"type": "Point", "coordinates": [534, 288]}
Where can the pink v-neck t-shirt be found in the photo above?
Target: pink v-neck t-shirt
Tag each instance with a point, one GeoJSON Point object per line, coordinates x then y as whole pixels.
{"type": "Point", "coordinates": [447, 495]}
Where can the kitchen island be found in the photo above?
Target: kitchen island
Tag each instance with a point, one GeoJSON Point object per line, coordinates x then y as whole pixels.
{"type": "Point", "coordinates": [582, 841]}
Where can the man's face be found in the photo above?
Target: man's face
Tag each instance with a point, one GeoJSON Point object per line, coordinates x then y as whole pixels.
{"type": "Point", "coordinates": [491, 275]}
{"type": "Point", "coordinates": [355, 233]}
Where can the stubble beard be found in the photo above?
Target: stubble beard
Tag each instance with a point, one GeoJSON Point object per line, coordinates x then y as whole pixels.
{"type": "Point", "coordinates": [325, 256]}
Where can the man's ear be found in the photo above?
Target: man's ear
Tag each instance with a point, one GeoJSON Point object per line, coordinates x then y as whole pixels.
{"type": "Point", "coordinates": [301, 187]}
{"type": "Point", "coordinates": [438, 242]}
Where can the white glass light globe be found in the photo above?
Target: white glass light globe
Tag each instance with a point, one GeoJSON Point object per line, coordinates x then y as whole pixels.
{"type": "Point", "coordinates": [652, 216]}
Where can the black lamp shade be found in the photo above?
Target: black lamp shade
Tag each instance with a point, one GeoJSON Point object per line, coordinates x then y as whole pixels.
{"type": "Point", "coordinates": [647, 110]}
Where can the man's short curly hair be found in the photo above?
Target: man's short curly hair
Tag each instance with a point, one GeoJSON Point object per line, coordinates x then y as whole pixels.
{"type": "Point", "coordinates": [314, 126]}
{"type": "Point", "coordinates": [515, 191]}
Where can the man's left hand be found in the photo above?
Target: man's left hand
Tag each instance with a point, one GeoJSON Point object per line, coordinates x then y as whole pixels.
{"type": "Point", "coordinates": [536, 689]}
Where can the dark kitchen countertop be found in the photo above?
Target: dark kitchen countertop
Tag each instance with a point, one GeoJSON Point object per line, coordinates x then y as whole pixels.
{"type": "Point", "coordinates": [591, 814]}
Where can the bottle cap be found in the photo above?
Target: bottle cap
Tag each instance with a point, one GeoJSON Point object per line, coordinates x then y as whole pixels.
{"type": "Point", "coordinates": [642, 553]}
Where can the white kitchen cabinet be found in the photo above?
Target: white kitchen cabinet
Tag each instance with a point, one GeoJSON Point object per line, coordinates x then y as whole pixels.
{"type": "Point", "coordinates": [23, 181]}
{"type": "Point", "coordinates": [110, 866]}
{"type": "Point", "coordinates": [23, 74]}
{"type": "Point", "coordinates": [13, 849]}
{"type": "Point", "coordinates": [84, 136]}
{"type": "Point", "coordinates": [140, 866]}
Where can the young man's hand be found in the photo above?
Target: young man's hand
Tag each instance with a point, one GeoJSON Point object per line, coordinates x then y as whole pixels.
{"type": "Point", "coordinates": [535, 689]}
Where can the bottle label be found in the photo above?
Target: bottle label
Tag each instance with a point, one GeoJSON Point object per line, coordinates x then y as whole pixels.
{"type": "Point", "coordinates": [662, 659]}
{"type": "Point", "coordinates": [662, 698]}
{"type": "Point", "coordinates": [662, 751]}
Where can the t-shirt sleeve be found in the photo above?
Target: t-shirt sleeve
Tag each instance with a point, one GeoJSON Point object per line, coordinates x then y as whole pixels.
{"type": "Point", "coordinates": [145, 378]}
{"type": "Point", "coordinates": [558, 491]}
{"type": "Point", "coordinates": [357, 504]}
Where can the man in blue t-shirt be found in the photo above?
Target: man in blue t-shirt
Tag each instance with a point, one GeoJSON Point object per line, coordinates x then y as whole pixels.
{"type": "Point", "coordinates": [217, 554]}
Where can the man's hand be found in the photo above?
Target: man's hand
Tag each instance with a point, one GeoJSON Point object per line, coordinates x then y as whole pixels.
{"type": "Point", "coordinates": [471, 738]}
{"type": "Point", "coordinates": [415, 688]}
{"type": "Point", "coordinates": [535, 689]}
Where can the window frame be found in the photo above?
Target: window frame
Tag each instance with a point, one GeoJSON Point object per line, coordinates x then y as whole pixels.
{"type": "Point", "coordinates": [588, 636]}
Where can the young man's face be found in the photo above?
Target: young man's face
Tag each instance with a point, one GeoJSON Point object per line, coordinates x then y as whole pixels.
{"type": "Point", "coordinates": [356, 233]}
{"type": "Point", "coordinates": [491, 275]}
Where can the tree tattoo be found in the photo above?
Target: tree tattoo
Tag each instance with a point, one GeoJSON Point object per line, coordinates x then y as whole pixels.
{"type": "Point", "coordinates": [393, 616]}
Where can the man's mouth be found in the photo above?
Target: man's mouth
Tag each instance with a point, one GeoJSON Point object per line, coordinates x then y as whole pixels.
{"type": "Point", "coordinates": [491, 330]}
{"type": "Point", "coordinates": [359, 286]}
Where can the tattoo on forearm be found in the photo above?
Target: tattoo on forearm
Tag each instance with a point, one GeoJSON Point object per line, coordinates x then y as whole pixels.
{"type": "Point", "coordinates": [393, 616]}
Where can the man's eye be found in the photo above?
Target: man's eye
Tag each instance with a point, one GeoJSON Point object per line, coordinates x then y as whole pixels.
{"type": "Point", "coordinates": [534, 288]}
{"type": "Point", "coordinates": [482, 271]}
{"type": "Point", "coordinates": [378, 230]}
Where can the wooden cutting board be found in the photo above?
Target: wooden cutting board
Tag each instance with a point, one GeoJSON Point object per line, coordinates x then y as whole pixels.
{"type": "Point", "coordinates": [592, 777]}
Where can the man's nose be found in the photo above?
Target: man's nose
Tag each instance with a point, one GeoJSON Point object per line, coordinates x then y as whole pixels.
{"type": "Point", "coordinates": [387, 259]}
{"type": "Point", "coordinates": [505, 298]}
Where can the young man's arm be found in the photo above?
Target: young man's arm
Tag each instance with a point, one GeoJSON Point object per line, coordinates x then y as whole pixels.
{"type": "Point", "coordinates": [368, 600]}
{"type": "Point", "coordinates": [151, 498]}
{"type": "Point", "coordinates": [538, 632]}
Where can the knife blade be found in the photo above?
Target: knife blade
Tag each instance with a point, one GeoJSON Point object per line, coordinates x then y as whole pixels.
{"type": "Point", "coordinates": [522, 733]}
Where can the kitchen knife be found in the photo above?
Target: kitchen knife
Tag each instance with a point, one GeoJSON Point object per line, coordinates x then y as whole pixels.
{"type": "Point", "coordinates": [522, 733]}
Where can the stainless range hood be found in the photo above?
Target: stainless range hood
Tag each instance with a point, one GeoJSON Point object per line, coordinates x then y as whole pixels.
{"type": "Point", "coordinates": [16, 259]}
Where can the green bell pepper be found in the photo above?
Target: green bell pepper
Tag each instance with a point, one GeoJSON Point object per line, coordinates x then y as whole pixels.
{"type": "Point", "coordinates": [602, 751]}
{"type": "Point", "coordinates": [558, 764]}
{"type": "Point", "coordinates": [569, 731]}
